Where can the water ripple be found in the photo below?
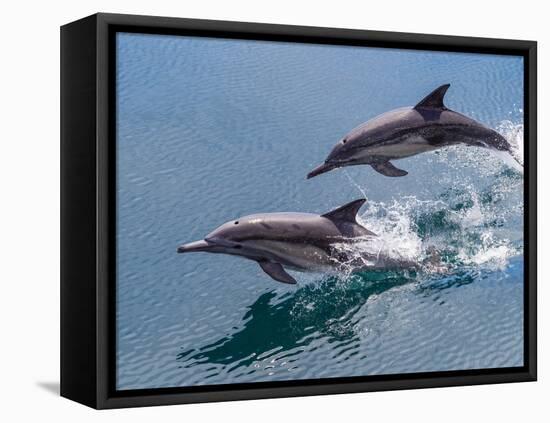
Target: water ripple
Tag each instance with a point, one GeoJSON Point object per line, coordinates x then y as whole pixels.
{"type": "Point", "coordinates": [209, 130]}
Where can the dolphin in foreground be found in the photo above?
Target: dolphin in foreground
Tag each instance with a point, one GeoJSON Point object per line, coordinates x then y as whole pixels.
{"type": "Point", "coordinates": [297, 241]}
{"type": "Point", "coordinates": [408, 131]}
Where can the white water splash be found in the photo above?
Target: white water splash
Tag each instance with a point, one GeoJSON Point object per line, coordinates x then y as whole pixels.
{"type": "Point", "coordinates": [492, 252]}
{"type": "Point", "coordinates": [487, 161]}
{"type": "Point", "coordinates": [419, 232]}
{"type": "Point", "coordinates": [393, 223]}
{"type": "Point", "coordinates": [513, 132]}
{"type": "Point", "coordinates": [469, 217]}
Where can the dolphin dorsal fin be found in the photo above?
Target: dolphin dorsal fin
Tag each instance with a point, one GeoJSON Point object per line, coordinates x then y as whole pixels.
{"type": "Point", "coordinates": [347, 212]}
{"type": "Point", "coordinates": [434, 100]}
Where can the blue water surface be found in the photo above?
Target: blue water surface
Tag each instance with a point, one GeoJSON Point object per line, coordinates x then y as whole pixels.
{"type": "Point", "coordinates": [209, 130]}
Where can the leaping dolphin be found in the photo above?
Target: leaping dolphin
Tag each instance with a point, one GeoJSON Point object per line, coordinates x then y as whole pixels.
{"type": "Point", "coordinates": [297, 241]}
{"type": "Point", "coordinates": [408, 131]}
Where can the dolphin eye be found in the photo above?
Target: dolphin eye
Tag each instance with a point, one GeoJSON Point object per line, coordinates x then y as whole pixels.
{"type": "Point", "coordinates": [238, 247]}
{"type": "Point", "coordinates": [344, 141]}
{"type": "Point", "coordinates": [236, 222]}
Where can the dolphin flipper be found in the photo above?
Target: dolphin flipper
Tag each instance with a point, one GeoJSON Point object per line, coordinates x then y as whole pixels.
{"type": "Point", "coordinates": [276, 271]}
{"type": "Point", "coordinates": [388, 169]}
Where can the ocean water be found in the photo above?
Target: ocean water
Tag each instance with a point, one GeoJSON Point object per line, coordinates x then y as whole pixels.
{"type": "Point", "coordinates": [209, 130]}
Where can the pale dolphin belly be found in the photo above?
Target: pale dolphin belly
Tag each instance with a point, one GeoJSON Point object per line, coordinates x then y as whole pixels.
{"type": "Point", "coordinates": [308, 257]}
{"type": "Point", "coordinates": [401, 148]}
{"type": "Point", "coordinates": [295, 255]}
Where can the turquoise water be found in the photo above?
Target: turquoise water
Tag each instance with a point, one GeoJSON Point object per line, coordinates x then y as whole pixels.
{"type": "Point", "coordinates": [209, 130]}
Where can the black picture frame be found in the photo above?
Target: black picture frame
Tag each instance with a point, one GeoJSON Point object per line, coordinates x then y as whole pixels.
{"type": "Point", "coordinates": [88, 210]}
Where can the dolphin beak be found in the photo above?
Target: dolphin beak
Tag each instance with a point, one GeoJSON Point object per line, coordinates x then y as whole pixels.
{"type": "Point", "coordinates": [192, 247]}
{"type": "Point", "coordinates": [323, 168]}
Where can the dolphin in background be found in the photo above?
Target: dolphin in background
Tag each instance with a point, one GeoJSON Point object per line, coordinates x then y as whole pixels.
{"type": "Point", "coordinates": [297, 241]}
{"type": "Point", "coordinates": [408, 131]}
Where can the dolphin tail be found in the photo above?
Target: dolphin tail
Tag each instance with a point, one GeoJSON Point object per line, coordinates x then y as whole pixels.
{"type": "Point", "coordinates": [516, 163]}
{"type": "Point", "coordinates": [505, 150]}
{"type": "Point", "coordinates": [510, 158]}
